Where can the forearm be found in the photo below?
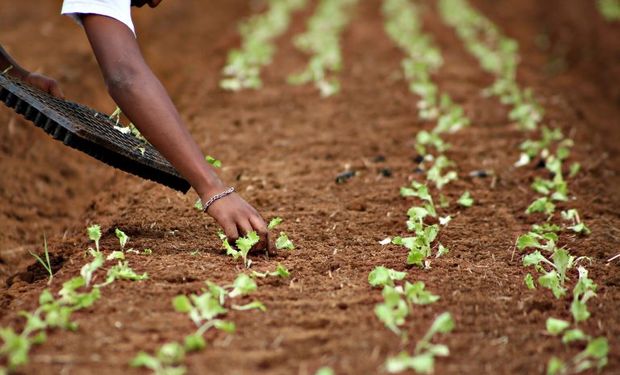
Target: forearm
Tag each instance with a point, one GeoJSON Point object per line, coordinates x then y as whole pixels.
{"type": "Point", "coordinates": [7, 62]}
{"type": "Point", "coordinates": [145, 102]}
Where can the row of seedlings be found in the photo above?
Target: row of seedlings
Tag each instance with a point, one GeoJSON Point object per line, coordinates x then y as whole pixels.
{"type": "Point", "coordinates": [553, 263]}
{"type": "Point", "coordinates": [244, 64]}
{"type": "Point", "coordinates": [208, 309]}
{"type": "Point", "coordinates": [321, 41]}
{"type": "Point", "coordinates": [79, 292]}
{"type": "Point", "coordinates": [423, 58]}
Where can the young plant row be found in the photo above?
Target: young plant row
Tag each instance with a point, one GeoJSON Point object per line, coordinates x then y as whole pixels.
{"type": "Point", "coordinates": [498, 55]}
{"type": "Point", "coordinates": [423, 58]}
{"type": "Point", "coordinates": [243, 66]}
{"type": "Point", "coordinates": [207, 311]}
{"type": "Point", "coordinates": [321, 41]}
{"type": "Point", "coordinates": [55, 312]}
{"type": "Point", "coordinates": [553, 264]}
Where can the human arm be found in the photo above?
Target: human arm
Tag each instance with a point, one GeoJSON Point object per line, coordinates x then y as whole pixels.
{"type": "Point", "coordinates": [143, 99]}
{"type": "Point", "coordinates": [9, 65]}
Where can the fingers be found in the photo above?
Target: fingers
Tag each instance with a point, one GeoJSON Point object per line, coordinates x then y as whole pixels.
{"type": "Point", "coordinates": [55, 90]}
{"type": "Point", "coordinates": [231, 232]}
{"type": "Point", "coordinates": [244, 227]}
{"type": "Point", "coordinates": [260, 227]}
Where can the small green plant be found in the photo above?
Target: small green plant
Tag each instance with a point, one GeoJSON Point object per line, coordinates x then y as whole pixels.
{"type": "Point", "coordinates": [45, 263]}
{"type": "Point", "coordinates": [423, 358]}
{"type": "Point", "coordinates": [466, 200]}
{"type": "Point", "coordinates": [213, 161]}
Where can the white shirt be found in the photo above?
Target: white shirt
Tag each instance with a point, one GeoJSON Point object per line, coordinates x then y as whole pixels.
{"type": "Point", "coordinates": [118, 9]}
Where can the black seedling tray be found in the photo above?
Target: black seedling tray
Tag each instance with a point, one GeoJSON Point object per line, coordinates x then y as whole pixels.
{"type": "Point", "coordinates": [89, 131]}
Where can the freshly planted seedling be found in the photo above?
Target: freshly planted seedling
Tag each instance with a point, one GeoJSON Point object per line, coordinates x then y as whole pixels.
{"type": "Point", "coordinates": [167, 361]}
{"type": "Point", "coordinates": [466, 200]}
{"type": "Point", "coordinates": [280, 271]}
{"type": "Point", "coordinates": [382, 276]}
{"type": "Point", "coordinates": [122, 238]}
{"type": "Point", "coordinates": [283, 242]}
{"type": "Point", "coordinates": [122, 271]}
{"type": "Point", "coordinates": [94, 234]}
{"type": "Point", "coordinates": [423, 359]}
{"type": "Point", "coordinates": [46, 263]}
{"type": "Point", "coordinates": [543, 204]}
{"type": "Point", "coordinates": [582, 292]}
{"type": "Point", "coordinates": [273, 223]}
{"type": "Point", "coordinates": [243, 244]}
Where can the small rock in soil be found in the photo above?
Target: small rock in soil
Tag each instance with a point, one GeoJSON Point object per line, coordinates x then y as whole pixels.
{"type": "Point", "coordinates": [385, 172]}
{"type": "Point", "coordinates": [378, 159]}
{"type": "Point", "coordinates": [480, 173]}
{"type": "Point", "coordinates": [344, 176]}
{"type": "Point", "coordinates": [418, 159]}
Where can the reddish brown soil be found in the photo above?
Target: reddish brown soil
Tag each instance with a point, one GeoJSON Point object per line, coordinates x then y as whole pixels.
{"type": "Point", "coordinates": [282, 148]}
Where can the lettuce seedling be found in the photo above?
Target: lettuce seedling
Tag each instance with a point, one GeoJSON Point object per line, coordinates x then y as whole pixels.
{"type": "Point", "coordinates": [578, 226]}
{"type": "Point", "coordinates": [542, 204]}
{"type": "Point", "coordinates": [166, 362]}
{"type": "Point", "coordinates": [593, 356]}
{"type": "Point", "coordinates": [89, 268]}
{"type": "Point", "coordinates": [242, 286]}
{"type": "Point", "coordinates": [122, 238]}
{"type": "Point", "coordinates": [325, 371]}
{"type": "Point", "coordinates": [425, 352]}
{"type": "Point", "coordinates": [393, 311]}
{"type": "Point", "coordinates": [280, 271]}
{"type": "Point", "coordinates": [254, 305]}
{"type": "Point", "coordinates": [584, 289]}
{"type": "Point", "coordinates": [122, 271]}
{"type": "Point", "coordinates": [283, 242]}
{"type": "Point", "coordinates": [382, 276]}
{"type": "Point", "coordinates": [417, 294]}
{"type": "Point", "coordinates": [244, 244]}
{"type": "Point", "coordinates": [274, 223]}
{"type": "Point", "coordinates": [556, 326]}
{"type": "Point", "coordinates": [466, 200]}
{"type": "Point", "coordinates": [435, 172]}
{"type": "Point", "coordinates": [94, 234]}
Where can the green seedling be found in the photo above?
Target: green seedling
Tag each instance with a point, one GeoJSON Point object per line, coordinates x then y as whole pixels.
{"type": "Point", "coordinates": [325, 371]}
{"type": "Point", "coordinates": [423, 359]}
{"type": "Point", "coordinates": [280, 271]}
{"type": "Point", "coordinates": [393, 311]}
{"type": "Point", "coordinates": [283, 242]}
{"type": "Point", "coordinates": [167, 361]}
{"type": "Point", "coordinates": [466, 200]}
{"type": "Point", "coordinates": [609, 9]}
{"type": "Point", "coordinates": [254, 305]}
{"type": "Point", "coordinates": [382, 276]}
{"type": "Point", "coordinates": [94, 234]}
{"type": "Point", "coordinates": [577, 226]}
{"type": "Point", "coordinates": [584, 289]}
{"type": "Point", "coordinates": [122, 271]}
{"type": "Point", "coordinates": [244, 244]}
{"type": "Point", "coordinates": [543, 204]}
{"type": "Point", "coordinates": [435, 172]}
{"type": "Point", "coordinates": [556, 326]}
{"type": "Point", "coordinates": [45, 263]}
{"type": "Point", "coordinates": [89, 269]}
{"type": "Point", "coordinates": [273, 223]}
{"type": "Point", "coordinates": [122, 238]}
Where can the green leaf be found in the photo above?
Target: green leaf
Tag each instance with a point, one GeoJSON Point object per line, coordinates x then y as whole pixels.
{"type": "Point", "coordinates": [417, 294]}
{"type": "Point", "coordinates": [533, 259]}
{"type": "Point", "coordinates": [556, 326]}
{"type": "Point", "coordinates": [551, 280]}
{"type": "Point", "coordinates": [283, 242]}
{"type": "Point", "coordinates": [442, 324]}
{"type": "Point", "coordinates": [15, 347]}
{"type": "Point", "coordinates": [528, 240]}
{"type": "Point", "coordinates": [94, 234]}
{"type": "Point", "coordinates": [122, 271]}
{"type": "Point", "coordinates": [382, 276]}
{"type": "Point", "coordinates": [122, 238]}
{"type": "Point", "coordinates": [143, 359]}
{"type": "Point", "coordinates": [116, 255]}
{"type": "Point", "coordinates": [580, 228]}
{"type": "Point", "coordinates": [574, 335]}
{"type": "Point", "coordinates": [281, 271]}
{"type": "Point", "coordinates": [579, 310]}
{"type": "Point", "coordinates": [222, 325]}
{"type": "Point", "coordinates": [89, 268]}
{"type": "Point", "coordinates": [541, 205]}
{"type": "Point", "coordinates": [198, 205]}
{"type": "Point", "coordinates": [555, 366]}
{"type": "Point", "coordinates": [274, 223]}
{"type": "Point", "coordinates": [46, 297]}
{"type": "Point", "coordinates": [325, 371]}
{"type": "Point", "coordinates": [213, 161]}
{"type": "Point", "coordinates": [597, 348]}
{"type": "Point", "coordinates": [574, 169]}
{"type": "Point", "coordinates": [182, 304]}
{"type": "Point", "coordinates": [466, 200]}
{"type": "Point", "coordinates": [171, 353]}
{"type": "Point", "coordinates": [245, 243]}
{"type": "Point", "coordinates": [194, 343]}
{"type": "Point", "coordinates": [529, 281]}
{"type": "Point", "coordinates": [242, 285]}
{"type": "Point", "coordinates": [441, 250]}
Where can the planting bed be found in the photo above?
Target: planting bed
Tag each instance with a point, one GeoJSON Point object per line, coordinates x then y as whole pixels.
{"type": "Point", "coordinates": [282, 147]}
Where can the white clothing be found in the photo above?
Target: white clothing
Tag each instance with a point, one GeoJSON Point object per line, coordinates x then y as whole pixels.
{"type": "Point", "coordinates": [118, 9]}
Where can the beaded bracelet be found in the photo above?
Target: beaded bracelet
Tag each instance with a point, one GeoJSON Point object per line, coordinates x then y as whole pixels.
{"type": "Point", "coordinates": [208, 203]}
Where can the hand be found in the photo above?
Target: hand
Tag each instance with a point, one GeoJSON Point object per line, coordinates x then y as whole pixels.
{"type": "Point", "coordinates": [44, 83]}
{"type": "Point", "coordinates": [238, 218]}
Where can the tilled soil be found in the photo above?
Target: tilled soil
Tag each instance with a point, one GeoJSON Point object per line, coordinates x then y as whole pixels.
{"type": "Point", "coordinates": [282, 147]}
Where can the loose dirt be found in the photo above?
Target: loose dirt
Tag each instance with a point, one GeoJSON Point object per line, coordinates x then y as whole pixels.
{"type": "Point", "coordinates": [282, 148]}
